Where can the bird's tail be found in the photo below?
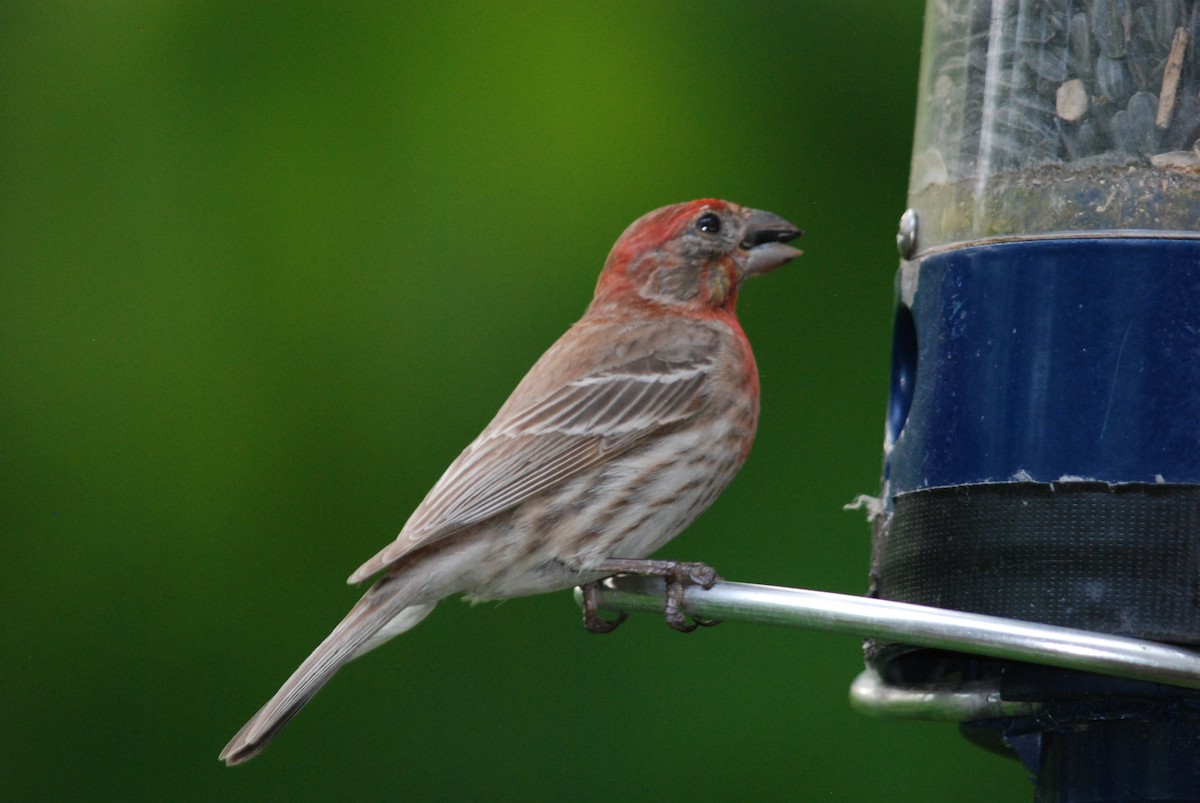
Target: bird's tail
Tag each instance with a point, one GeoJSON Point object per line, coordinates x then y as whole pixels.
{"type": "Point", "coordinates": [383, 612]}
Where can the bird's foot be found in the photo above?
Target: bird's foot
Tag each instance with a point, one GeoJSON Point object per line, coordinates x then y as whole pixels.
{"type": "Point", "coordinates": [678, 575]}
{"type": "Point", "coordinates": [591, 612]}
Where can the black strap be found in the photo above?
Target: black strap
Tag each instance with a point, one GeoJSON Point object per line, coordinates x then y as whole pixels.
{"type": "Point", "coordinates": [1119, 559]}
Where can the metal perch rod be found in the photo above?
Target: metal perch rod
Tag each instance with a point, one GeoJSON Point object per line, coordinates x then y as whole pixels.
{"type": "Point", "coordinates": [917, 625]}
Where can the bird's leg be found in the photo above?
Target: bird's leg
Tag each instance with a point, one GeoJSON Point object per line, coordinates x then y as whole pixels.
{"type": "Point", "coordinates": [678, 575]}
{"type": "Point", "coordinates": [591, 614]}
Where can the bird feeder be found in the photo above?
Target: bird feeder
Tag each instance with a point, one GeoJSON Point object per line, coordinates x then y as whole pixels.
{"type": "Point", "coordinates": [1042, 447]}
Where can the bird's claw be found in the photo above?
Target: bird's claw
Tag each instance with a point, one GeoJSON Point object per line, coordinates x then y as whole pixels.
{"type": "Point", "coordinates": [592, 620]}
{"type": "Point", "coordinates": [691, 573]}
{"type": "Point", "coordinates": [678, 576]}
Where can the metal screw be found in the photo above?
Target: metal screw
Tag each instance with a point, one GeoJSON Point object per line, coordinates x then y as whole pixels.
{"type": "Point", "coordinates": [906, 237]}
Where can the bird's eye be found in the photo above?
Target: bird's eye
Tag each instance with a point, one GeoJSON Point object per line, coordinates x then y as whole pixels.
{"type": "Point", "coordinates": [709, 223]}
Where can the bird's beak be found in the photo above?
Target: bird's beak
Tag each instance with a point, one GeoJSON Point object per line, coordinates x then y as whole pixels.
{"type": "Point", "coordinates": [763, 238]}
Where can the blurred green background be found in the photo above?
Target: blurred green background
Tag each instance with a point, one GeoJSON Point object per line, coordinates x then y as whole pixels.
{"type": "Point", "coordinates": [266, 268]}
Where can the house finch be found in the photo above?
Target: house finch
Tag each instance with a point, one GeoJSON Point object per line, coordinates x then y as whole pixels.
{"type": "Point", "coordinates": [616, 440]}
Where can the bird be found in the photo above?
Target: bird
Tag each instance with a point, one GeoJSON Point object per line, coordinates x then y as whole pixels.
{"type": "Point", "coordinates": [621, 434]}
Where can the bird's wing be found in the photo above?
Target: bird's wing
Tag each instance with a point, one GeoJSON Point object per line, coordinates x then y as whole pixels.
{"type": "Point", "coordinates": [543, 436]}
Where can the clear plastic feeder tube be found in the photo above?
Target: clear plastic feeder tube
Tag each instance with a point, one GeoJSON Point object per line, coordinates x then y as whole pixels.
{"type": "Point", "coordinates": [1057, 118]}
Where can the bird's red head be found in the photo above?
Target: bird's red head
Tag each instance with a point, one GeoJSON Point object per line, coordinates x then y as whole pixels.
{"type": "Point", "coordinates": [693, 256]}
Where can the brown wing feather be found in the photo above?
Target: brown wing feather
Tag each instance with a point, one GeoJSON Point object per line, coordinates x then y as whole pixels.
{"type": "Point", "coordinates": [549, 431]}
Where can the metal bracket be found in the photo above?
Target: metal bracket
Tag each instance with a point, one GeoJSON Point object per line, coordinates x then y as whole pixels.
{"type": "Point", "coordinates": [920, 626]}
